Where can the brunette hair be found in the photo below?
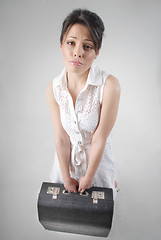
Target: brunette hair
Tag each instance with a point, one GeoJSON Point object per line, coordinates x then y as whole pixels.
{"type": "Point", "coordinates": [90, 19]}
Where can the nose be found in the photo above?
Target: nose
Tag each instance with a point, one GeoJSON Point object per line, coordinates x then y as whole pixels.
{"type": "Point", "coordinates": [78, 52]}
{"type": "Point", "coordinates": [77, 55]}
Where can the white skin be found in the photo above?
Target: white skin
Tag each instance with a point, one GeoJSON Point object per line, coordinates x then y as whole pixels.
{"type": "Point", "coordinates": [78, 54]}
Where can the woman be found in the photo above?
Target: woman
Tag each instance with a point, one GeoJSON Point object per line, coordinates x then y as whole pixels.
{"type": "Point", "coordinates": [83, 102]}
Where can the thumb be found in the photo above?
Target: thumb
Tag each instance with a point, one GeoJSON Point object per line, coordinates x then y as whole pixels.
{"type": "Point", "coordinates": [79, 189]}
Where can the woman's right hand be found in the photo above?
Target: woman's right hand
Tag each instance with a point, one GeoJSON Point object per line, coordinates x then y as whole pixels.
{"type": "Point", "coordinates": [71, 185]}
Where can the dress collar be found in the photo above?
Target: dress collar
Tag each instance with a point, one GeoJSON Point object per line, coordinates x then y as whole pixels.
{"type": "Point", "coordinates": [94, 77]}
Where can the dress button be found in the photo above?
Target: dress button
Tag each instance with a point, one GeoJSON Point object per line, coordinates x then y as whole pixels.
{"type": "Point", "coordinates": [75, 122]}
{"type": "Point", "coordinates": [79, 142]}
{"type": "Point", "coordinates": [77, 132]}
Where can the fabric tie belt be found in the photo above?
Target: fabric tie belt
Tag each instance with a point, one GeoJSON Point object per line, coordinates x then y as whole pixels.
{"type": "Point", "coordinates": [78, 161]}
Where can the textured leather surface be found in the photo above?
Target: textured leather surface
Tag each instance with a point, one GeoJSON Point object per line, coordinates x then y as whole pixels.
{"type": "Point", "coordinates": [74, 213]}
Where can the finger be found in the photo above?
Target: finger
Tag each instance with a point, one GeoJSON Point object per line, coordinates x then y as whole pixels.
{"type": "Point", "coordinates": [79, 188]}
{"type": "Point", "coordinates": [72, 190]}
{"type": "Point", "coordinates": [75, 190]}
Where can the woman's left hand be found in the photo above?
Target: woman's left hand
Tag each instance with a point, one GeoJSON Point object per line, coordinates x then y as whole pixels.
{"type": "Point", "coordinates": [84, 183]}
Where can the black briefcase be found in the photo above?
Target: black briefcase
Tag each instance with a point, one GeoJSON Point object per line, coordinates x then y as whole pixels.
{"type": "Point", "coordinates": [89, 213]}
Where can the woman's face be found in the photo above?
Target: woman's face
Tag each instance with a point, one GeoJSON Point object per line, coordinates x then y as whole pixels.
{"type": "Point", "coordinates": [78, 49]}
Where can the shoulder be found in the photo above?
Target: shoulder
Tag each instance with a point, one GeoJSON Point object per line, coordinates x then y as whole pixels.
{"type": "Point", "coordinates": [111, 91]}
{"type": "Point", "coordinates": [50, 93]}
{"type": "Point", "coordinates": [112, 84]}
{"type": "Point", "coordinates": [49, 88]}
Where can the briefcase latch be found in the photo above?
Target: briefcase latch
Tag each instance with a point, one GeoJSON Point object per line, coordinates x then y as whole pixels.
{"type": "Point", "coordinates": [54, 191]}
{"type": "Point", "coordinates": [97, 195]}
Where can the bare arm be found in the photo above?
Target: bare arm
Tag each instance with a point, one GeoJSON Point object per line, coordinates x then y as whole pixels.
{"type": "Point", "coordinates": [62, 141]}
{"type": "Point", "coordinates": [109, 110]}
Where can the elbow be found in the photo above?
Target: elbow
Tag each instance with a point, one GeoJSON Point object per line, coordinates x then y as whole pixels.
{"type": "Point", "coordinates": [62, 142]}
{"type": "Point", "coordinates": [99, 141]}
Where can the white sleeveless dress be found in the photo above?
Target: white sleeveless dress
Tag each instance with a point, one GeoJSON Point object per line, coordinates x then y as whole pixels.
{"type": "Point", "coordinates": [80, 124]}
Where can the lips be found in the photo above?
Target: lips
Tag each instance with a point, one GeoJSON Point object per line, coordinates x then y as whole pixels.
{"type": "Point", "coordinates": [76, 63]}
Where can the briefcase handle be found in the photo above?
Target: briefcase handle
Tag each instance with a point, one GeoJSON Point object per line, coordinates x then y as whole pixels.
{"type": "Point", "coordinates": [81, 193]}
{"type": "Point", "coordinates": [95, 194]}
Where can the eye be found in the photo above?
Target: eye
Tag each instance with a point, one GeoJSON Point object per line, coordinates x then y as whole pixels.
{"type": "Point", "coordinates": [70, 43]}
{"type": "Point", "coordinates": [87, 47]}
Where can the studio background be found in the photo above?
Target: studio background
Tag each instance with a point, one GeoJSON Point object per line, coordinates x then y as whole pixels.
{"type": "Point", "coordinates": [29, 59]}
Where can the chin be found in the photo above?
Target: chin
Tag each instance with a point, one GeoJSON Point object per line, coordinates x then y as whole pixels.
{"type": "Point", "coordinates": [77, 69]}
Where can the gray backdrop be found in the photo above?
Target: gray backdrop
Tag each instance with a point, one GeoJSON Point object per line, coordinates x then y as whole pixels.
{"type": "Point", "coordinates": [30, 58]}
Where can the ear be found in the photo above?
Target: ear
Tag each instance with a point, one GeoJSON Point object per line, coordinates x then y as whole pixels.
{"type": "Point", "coordinates": [97, 53]}
{"type": "Point", "coordinates": [61, 46]}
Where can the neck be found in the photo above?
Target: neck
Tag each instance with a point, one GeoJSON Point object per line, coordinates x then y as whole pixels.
{"type": "Point", "coordinates": [76, 79]}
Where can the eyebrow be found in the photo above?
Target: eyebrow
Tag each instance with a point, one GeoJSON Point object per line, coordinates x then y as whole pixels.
{"type": "Point", "coordinates": [84, 39]}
